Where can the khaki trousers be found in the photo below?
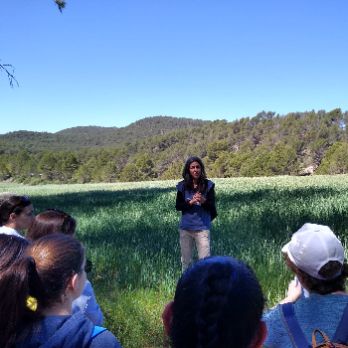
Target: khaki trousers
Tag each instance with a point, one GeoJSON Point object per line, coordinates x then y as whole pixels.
{"type": "Point", "coordinates": [187, 240]}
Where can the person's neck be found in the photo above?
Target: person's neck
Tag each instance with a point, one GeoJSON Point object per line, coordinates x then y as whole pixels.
{"type": "Point", "coordinates": [11, 225]}
{"type": "Point", "coordinates": [59, 309]}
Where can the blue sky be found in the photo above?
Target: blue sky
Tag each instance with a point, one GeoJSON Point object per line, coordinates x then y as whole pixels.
{"type": "Point", "coordinates": [112, 62]}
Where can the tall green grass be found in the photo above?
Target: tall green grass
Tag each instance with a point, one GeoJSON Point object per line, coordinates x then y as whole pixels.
{"type": "Point", "coordinates": [130, 232]}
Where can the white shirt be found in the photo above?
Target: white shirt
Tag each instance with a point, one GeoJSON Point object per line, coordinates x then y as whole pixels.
{"type": "Point", "coordinates": [10, 231]}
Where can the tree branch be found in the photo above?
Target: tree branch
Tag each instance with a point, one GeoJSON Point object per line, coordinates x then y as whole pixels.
{"type": "Point", "coordinates": [61, 4]}
{"type": "Point", "coordinates": [8, 69]}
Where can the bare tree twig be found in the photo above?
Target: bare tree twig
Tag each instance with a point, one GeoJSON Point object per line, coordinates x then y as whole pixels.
{"type": "Point", "coordinates": [61, 4]}
{"type": "Point", "coordinates": [8, 69]}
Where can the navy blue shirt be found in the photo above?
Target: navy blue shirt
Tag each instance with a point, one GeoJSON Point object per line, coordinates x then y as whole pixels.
{"type": "Point", "coordinates": [194, 217]}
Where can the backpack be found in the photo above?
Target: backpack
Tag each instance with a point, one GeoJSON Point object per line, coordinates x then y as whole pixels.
{"type": "Point", "coordinates": [326, 342]}
{"type": "Point", "coordinates": [298, 339]}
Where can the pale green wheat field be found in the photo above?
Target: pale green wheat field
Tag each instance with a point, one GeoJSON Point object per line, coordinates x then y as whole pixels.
{"type": "Point", "coordinates": [130, 232]}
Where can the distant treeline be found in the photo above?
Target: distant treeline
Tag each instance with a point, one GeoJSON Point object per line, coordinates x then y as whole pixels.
{"type": "Point", "coordinates": [156, 147]}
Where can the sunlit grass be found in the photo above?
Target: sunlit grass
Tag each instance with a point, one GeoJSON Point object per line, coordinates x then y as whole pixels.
{"type": "Point", "coordinates": [130, 232]}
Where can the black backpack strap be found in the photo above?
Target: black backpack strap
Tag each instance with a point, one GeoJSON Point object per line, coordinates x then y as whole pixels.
{"type": "Point", "coordinates": [341, 334]}
{"type": "Point", "coordinates": [295, 332]}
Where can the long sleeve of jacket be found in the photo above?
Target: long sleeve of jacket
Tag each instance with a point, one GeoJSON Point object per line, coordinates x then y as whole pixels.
{"type": "Point", "coordinates": [209, 204]}
{"type": "Point", "coordinates": [180, 203]}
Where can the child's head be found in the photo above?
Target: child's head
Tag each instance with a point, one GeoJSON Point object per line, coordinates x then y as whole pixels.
{"type": "Point", "coordinates": [51, 221]}
{"type": "Point", "coordinates": [49, 273]}
{"type": "Point", "coordinates": [218, 303]}
{"type": "Point", "coordinates": [11, 250]}
{"type": "Point", "coordinates": [316, 256]}
{"type": "Point", "coordinates": [16, 212]}
{"type": "Point", "coordinates": [56, 259]}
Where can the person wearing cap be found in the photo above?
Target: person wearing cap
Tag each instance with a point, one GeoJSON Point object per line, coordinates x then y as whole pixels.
{"type": "Point", "coordinates": [316, 256]}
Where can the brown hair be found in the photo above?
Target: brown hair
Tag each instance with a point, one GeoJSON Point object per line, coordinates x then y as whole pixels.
{"type": "Point", "coordinates": [12, 204]}
{"type": "Point", "coordinates": [319, 286]}
{"type": "Point", "coordinates": [12, 249]}
{"type": "Point", "coordinates": [43, 273]}
{"type": "Point", "coordinates": [57, 258]}
{"type": "Point", "coordinates": [51, 221]}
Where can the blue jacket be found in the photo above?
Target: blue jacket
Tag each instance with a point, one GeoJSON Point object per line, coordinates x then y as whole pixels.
{"type": "Point", "coordinates": [65, 331]}
{"type": "Point", "coordinates": [87, 303]}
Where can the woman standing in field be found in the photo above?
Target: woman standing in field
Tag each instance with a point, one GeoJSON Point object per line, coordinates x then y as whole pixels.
{"type": "Point", "coordinates": [196, 200]}
{"type": "Point", "coordinates": [16, 214]}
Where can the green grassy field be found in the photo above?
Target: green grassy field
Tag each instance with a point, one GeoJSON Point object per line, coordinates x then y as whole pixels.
{"type": "Point", "coordinates": [130, 231]}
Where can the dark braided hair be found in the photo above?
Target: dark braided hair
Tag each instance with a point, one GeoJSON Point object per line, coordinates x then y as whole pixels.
{"type": "Point", "coordinates": [218, 303]}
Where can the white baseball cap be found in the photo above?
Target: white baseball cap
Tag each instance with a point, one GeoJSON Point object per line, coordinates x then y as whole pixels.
{"type": "Point", "coordinates": [312, 247]}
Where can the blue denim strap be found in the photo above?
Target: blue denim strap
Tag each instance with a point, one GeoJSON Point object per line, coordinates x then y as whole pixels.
{"type": "Point", "coordinates": [296, 334]}
{"type": "Point", "coordinates": [341, 334]}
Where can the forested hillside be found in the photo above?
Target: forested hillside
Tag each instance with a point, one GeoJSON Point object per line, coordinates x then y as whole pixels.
{"type": "Point", "coordinates": [88, 137]}
{"type": "Point", "coordinates": [156, 147]}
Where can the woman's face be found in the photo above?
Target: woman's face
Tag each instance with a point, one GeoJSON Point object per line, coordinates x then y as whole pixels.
{"type": "Point", "coordinates": [24, 220]}
{"type": "Point", "coordinates": [195, 170]}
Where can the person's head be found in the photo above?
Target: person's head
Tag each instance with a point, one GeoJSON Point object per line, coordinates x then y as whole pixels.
{"type": "Point", "coordinates": [59, 262]}
{"type": "Point", "coordinates": [218, 303]}
{"type": "Point", "coordinates": [316, 256]}
{"type": "Point", "coordinates": [194, 171]}
{"type": "Point", "coordinates": [16, 212]}
{"type": "Point", "coordinates": [51, 221]}
{"type": "Point", "coordinates": [12, 249]}
{"type": "Point", "coordinates": [51, 273]}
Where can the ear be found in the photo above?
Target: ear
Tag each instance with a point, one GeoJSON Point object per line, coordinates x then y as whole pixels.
{"type": "Point", "coordinates": [260, 336]}
{"type": "Point", "coordinates": [12, 217]}
{"type": "Point", "coordinates": [167, 317]}
{"type": "Point", "coordinates": [73, 283]}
